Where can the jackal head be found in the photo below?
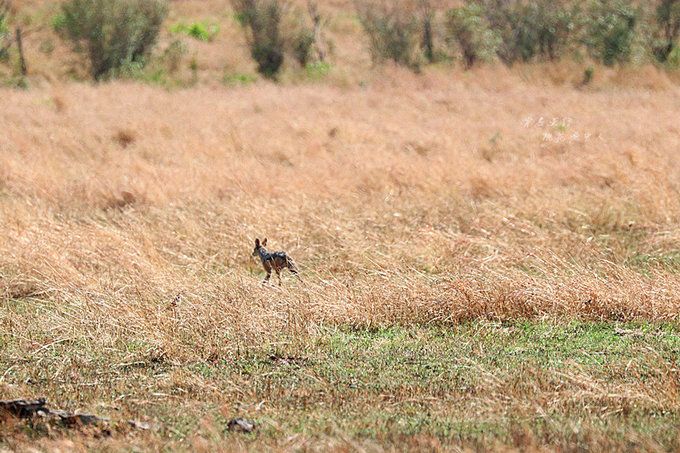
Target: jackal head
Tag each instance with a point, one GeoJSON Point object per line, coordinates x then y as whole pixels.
{"type": "Point", "coordinates": [258, 246]}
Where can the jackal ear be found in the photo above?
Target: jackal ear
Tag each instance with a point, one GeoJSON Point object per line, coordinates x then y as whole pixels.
{"type": "Point", "coordinates": [257, 242]}
{"type": "Point", "coordinates": [264, 243]}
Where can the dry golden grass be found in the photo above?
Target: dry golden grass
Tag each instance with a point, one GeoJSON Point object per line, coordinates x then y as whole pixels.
{"type": "Point", "coordinates": [420, 199]}
{"type": "Point", "coordinates": [491, 198]}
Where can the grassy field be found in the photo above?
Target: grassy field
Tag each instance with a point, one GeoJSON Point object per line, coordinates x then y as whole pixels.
{"type": "Point", "coordinates": [490, 258]}
{"type": "Point", "coordinates": [480, 385]}
{"type": "Point", "coordinates": [484, 267]}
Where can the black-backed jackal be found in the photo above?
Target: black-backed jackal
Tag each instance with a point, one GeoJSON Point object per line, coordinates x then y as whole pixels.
{"type": "Point", "coordinates": [278, 261]}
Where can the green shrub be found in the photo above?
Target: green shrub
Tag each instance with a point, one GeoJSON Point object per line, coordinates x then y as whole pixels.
{"type": "Point", "coordinates": [201, 31]}
{"type": "Point", "coordinates": [588, 74]}
{"type": "Point", "coordinates": [302, 46]}
{"type": "Point", "coordinates": [553, 26]}
{"type": "Point", "coordinates": [392, 31]}
{"type": "Point", "coordinates": [317, 71]}
{"type": "Point", "coordinates": [469, 29]}
{"type": "Point", "coordinates": [610, 30]}
{"type": "Point", "coordinates": [531, 29]}
{"type": "Point", "coordinates": [174, 53]}
{"type": "Point", "coordinates": [667, 28]}
{"type": "Point", "coordinates": [299, 37]}
{"type": "Point", "coordinates": [4, 29]}
{"type": "Point", "coordinates": [239, 79]}
{"type": "Point", "coordinates": [432, 28]}
{"type": "Point", "coordinates": [673, 61]}
{"type": "Point", "coordinates": [115, 35]}
{"type": "Point", "coordinates": [263, 18]}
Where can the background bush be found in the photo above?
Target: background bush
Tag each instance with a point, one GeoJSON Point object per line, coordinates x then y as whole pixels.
{"type": "Point", "coordinates": [392, 31]}
{"type": "Point", "coordinates": [263, 18]}
{"type": "Point", "coordinates": [469, 29]}
{"type": "Point", "coordinates": [302, 46]}
{"type": "Point", "coordinates": [530, 29]}
{"type": "Point", "coordinates": [117, 36]}
{"type": "Point", "coordinates": [201, 31]}
{"type": "Point", "coordinates": [426, 15]}
{"type": "Point", "coordinates": [548, 28]}
{"type": "Point", "coordinates": [113, 34]}
{"type": "Point", "coordinates": [298, 36]}
{"type": "Point", "coordinates": [667, 28]}
{"type": "Point", "coordinates": [610, 30]}
{"type": "Point", "coordinates": [4, 29]}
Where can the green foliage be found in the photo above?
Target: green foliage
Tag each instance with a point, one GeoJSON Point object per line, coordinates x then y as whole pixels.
{"type": "Point", "coordinates": [549, 25]}
{"type": "Point", "coordinates": [469, 29]}
{"type": "Point", "coordinates": [317, 71]}
{"type": "Point", "coordinates": [47, 45]}
{"type": "Point", "coordinates": [115, 35]}
{"type": "Point", "coordinates": [298, 36]}
{"type": "Point", "coordinates": [174, 53]}
{"type": "Point", "coordinates": [4, 10]}
{"type": "Point", "coordinates": [531, 29]}
{"type": "Point", "coordinates": [15, 81]}
{"type": "Point", "coordinates": [58, 21]}
{"type": "Point", "coordinates": [201, 31]}
{"type": "Point", "coordinates": [673, 61]}
{"type": "Point", "coordinates": [667, 29]}
{"type": "Point", "coordinates": [263, 18]}
{"type": "Point", "coordinates": [610, 29]}
{"type": "Point", "coordinates": [301, 43]}
{"type": "Point", "coordinates": [588, 74]}
{"type": "Point", "coordinates": [427, 42]}
{"type": "Point", "coordinates": [392, 31]}
{"type": "Point", "coordinates": [4, 29]}
{"type": "Point", "coordinates": [276, 30]}
{"type": "Point", "coordinates": [239, 79]}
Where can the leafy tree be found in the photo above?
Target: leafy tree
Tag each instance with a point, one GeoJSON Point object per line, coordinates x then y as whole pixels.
{"type": "Point", "coordinates": [530, 29]}
{"type": "Point", "coordinates": [263, 18]}
{"type": "Point", "coordinates": [113, 34]}
{"type": "Point", "coordinates": [668, 29]}
{"type": "Point", "coordinates": [469, 28]}
{"type": "Point", "coordinates": [4, 29]}
{"type": "Point", "coordinates": [610, 29]}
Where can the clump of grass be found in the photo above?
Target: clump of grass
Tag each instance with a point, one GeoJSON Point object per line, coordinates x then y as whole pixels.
{"type": "Point", "coordinates": [197, 30]}
{"type": "Point", "coordinates": [317, 71]}
{"type": "Point", "coordinates": [239, 79]}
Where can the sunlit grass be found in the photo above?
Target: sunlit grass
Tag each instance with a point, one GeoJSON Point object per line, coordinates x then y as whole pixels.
{"type": "Point", "coordinates": [467, 281]}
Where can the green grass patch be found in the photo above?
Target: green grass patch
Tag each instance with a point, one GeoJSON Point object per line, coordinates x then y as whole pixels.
{"type": "Point", "coordinates": [239, 79]}
{"type": "Point", "coordinates": [669, 262]}
{"type": "Point", "coordinates": [477, 385]}
{"type": "Point", "coordinates": [316, 72]}
{"type": "Point", "coordinates": [197, 30]}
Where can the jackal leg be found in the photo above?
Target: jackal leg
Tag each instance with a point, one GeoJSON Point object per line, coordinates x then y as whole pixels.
{"type": "Point", "coordinates": [295, 273]}
{"type": "Point", "coordinates": [293, 268]}
{"type": "Point", "coordinates": [268, 270]}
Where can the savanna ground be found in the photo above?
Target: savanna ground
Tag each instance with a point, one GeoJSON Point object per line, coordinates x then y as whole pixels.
{"type": "Point", "coordinates": [490, 261]}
